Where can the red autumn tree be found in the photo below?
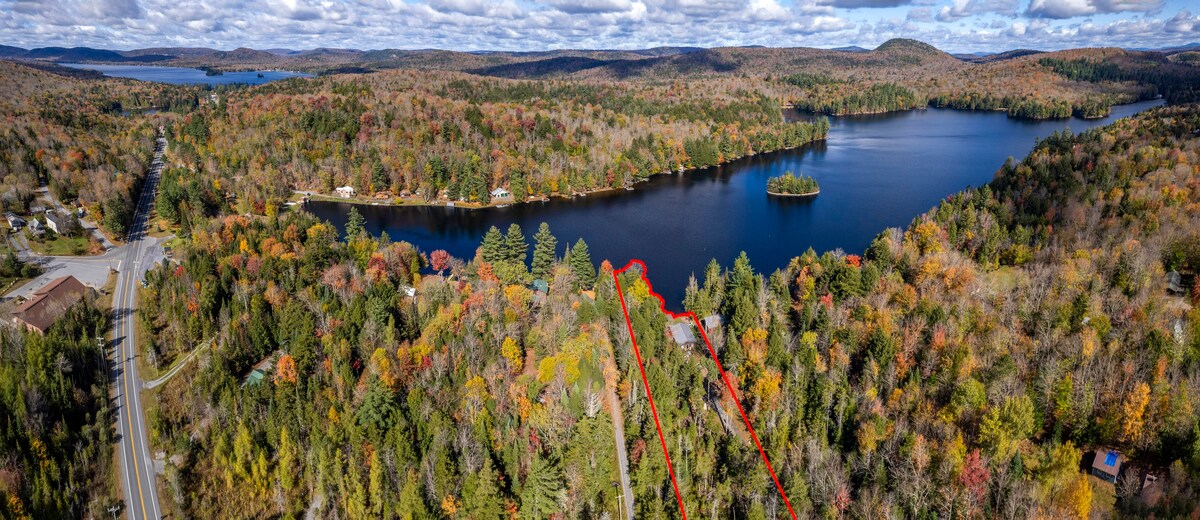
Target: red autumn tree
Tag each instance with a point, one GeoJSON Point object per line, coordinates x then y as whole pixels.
{"type": "Point", "coordinates": [439, 260]}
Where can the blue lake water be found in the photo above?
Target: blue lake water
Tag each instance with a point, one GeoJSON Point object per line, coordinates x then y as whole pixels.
{"type": "Point", "coordinates": [875, 172]}
{"type": "Point", "coordinates": [186, 76]}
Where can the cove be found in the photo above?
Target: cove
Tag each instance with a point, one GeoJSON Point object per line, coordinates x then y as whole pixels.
{"type": "Point", "coordinates": [186, 76]}
{"type": "Point", "coordinates": [875, 172]}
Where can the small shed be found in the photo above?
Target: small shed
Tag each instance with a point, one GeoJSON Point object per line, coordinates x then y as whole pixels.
{"type": "Point", "coordinates": [540, 286]}
{"type": "Point", "coordinates": [1107, 464]}
{"type": "Point", "coordinates": [501, 193]}
{"type": "Point", "coordinates": [345, 192]}
{"type": "Point", "coordinates": [1175, 283]}
{"type": "Point", "coordinates": [682, 334]}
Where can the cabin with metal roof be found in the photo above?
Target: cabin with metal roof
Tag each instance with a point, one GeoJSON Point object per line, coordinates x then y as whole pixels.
{"type": "Point", "coordinates": [682, 333]}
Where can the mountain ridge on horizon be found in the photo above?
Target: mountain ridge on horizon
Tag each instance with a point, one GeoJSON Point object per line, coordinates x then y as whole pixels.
{"type": "Point", "coordinates": [146, 54]}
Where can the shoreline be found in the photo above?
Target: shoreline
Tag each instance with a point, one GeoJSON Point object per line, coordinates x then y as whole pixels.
{"type": "Point", "coordinates": [391, 201]}
{"type": "Point", "coordinates": [809, 194]}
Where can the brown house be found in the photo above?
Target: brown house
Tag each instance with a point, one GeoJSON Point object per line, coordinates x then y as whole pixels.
{"type": "Point", "coordinates": [49, 303]}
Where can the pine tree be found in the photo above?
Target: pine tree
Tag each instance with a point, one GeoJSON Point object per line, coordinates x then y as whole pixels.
{"type": "Point", "coordinates": [493, 246]}
{"type": "Point", "coordinates": [484, 502]}
{"type": "Point", "coordinates": [515, 248]}
{"type": "Point", "coordinates": [539, 495]}
{"type": "Point", "coordinates": [355, 223]}
{"type": "Point", "coordinates": [412, 506]}
{"type": "Point", "coordinates": [581, 265]}
{"type": "Point", "coordinates": [543, 252]}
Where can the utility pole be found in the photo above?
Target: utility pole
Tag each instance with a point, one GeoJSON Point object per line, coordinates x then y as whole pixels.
{"type": "Point", "coordinates": [114, 510]}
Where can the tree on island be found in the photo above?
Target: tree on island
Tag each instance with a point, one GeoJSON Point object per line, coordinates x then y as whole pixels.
{"type": "Point", "coordinates": [791, 184]}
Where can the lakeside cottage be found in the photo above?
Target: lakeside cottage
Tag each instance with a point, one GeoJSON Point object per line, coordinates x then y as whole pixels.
{"type": "Point", "coordinates": [682, 333]}
{"type": "Point", "coordinates": [345, 192]}
{"type": "Point", "coordinates": [501, 193]}
{"type": "Point", "coordinates": [711, 322]}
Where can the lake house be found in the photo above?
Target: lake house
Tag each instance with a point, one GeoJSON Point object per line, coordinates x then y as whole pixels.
{"type": "Point", "coordinates": [682, 333]}
{"type": "Point", "coordinates": [500, 193]}
{"type": "Point", "coordinates": [345, 192]}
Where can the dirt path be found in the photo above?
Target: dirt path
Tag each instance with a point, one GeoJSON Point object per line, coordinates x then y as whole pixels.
{"type": "Point", "coordinates": [610, 387]}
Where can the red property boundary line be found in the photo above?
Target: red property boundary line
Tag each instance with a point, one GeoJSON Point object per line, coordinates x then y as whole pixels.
{"type": "Point", "coordinates": [695, 321]}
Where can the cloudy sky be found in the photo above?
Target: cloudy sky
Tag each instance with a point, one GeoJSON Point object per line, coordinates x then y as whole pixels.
{"type": "Point", "coordinates": [952, 25]}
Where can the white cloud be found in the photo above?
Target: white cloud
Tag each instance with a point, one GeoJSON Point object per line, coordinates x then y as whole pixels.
{"type": "Point", "coordinates": [590, 6]}
{"type": "Point", "coordinates": [556, 24]}
{"type": "Point", "coordinates": [1060, 9]}
{"type": "Point", "coordinates": [1183, 22]}
{"type": "Point", "coordinates": [963, 8]}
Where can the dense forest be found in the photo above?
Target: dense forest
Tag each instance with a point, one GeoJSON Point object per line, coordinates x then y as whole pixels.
{"type": "Point", "coordinates": [963, 366]}
{"type": "Point", "coordinates": [455, 137]}
{"type": "Point", "coordinates": [73, 137]}
{"type": "Point", "coordinates": [56, 425]}
{"type": "Point", "coordinates": [792, 184]}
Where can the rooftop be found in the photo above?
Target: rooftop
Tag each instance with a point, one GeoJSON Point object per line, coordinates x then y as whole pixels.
{"type": "Point", "coordinates": [49, 303]}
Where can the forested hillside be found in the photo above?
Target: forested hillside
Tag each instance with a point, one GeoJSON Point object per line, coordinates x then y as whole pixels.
{"type": "Point", "coordinates": [457, 137]}
{"type": "Point", "coordinates": [71, 136]}
{"type": "Point", "coordinates": [962, 366]}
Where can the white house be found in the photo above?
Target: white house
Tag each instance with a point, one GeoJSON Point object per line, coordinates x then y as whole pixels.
{"type": "Point", "coordinates": [345, 191]}
{"type": "Point", "coordinates": [55, 221]}
{"type": "Point", "coordinates": [500, 193]}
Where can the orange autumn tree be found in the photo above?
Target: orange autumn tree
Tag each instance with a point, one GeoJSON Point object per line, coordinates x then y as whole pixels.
{"type": "Point", "coordinates": [285, 370]}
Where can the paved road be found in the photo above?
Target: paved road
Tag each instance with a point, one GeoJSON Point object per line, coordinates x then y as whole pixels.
{"type": "Point", "coordinates": [137, 468]}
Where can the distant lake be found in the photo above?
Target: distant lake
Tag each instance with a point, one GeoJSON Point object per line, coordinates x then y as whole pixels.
{"type": "Point", "coordinates": [875, 172]}
{"type": "Point", "coordinates": [186, 76]}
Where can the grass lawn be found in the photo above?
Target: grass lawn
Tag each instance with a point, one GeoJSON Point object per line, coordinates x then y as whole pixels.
{"type": "Point", "coordinates": [62, 246]}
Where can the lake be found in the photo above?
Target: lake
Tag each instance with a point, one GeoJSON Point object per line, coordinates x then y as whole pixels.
{"type": "Point", "coordinates": [875, 172]}
{"type": "Point", "coordinates": [186, 76]}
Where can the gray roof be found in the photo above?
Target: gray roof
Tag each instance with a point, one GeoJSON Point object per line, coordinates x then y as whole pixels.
{"type": "Point", "coordinates": [682, 333]}
{"type": "Point", "coordinates": [712, 321]}
{"type": "Point", "coordinates": [1174, 282]}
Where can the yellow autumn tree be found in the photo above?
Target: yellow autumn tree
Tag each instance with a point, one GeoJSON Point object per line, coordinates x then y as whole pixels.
{"type": "Point", "coordinates": [513, 353]}
{"type": "Point", "coordinates": [1133, 412]}
{"type": "Point", "coordinates": [1077, 498]}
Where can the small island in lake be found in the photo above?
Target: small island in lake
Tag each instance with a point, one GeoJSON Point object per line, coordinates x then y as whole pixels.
{"type": "Point", "coordinates": [791, 185]}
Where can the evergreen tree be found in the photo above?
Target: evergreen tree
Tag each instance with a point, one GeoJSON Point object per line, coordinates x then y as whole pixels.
{"type": "Point", "coordinates": [355, 223]}
{"type": "Point", "coordinates": [515, 248]}
{"type": "Point", "coordinates": [484, 501]}
{"type": "Point", "coordinates": [581, 265]}
{"type": "Point", "coordinates": [412, 506]}
{"type": "Point", "coordinates": [543, 251]}
{"type": "Point", "coordinates": [539, 495]}
{"type": "Point", "coordinates": [493, 246]}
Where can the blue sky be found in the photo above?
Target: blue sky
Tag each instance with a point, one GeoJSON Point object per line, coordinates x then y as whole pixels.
{"type": "Point", "coordinates": [952, 25]}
